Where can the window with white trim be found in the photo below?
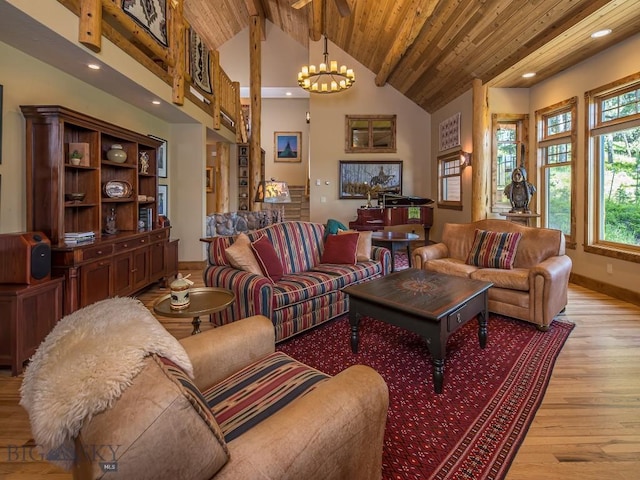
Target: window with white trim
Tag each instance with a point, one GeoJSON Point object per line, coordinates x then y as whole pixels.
{"type": "Point", "coordinates": [556, 135]}
{"type": "Point", "coordinates": [613, 172]}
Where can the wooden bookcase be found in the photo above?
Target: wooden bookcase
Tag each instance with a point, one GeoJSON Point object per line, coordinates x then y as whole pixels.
{"type": "Point", "coordinates": [244, 160]}
{"type": "Point", "coordinates": [112, 264]}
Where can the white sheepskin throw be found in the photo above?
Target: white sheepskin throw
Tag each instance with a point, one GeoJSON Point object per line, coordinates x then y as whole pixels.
{"type": "Point", "coordinates": [86, 362]}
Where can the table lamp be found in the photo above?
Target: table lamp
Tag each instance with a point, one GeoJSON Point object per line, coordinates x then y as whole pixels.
{"type": "Point", "coordinates": [273, 191]}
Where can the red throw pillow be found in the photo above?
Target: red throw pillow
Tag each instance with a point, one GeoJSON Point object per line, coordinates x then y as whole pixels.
{"type": "Point", "coordinates": [268, 258]}
{"type": "Point", "coordinates": [340, 249]}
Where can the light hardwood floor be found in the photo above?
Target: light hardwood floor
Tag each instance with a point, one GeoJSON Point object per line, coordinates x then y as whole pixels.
{"type": "Point", "coordinates": [588, 426]}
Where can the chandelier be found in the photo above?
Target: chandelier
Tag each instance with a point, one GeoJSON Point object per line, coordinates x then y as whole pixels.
{"type": "Point", "coordinates": [327, 78]}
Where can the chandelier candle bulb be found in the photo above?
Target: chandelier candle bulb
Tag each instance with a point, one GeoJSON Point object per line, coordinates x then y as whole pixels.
{"type": "Point", "coordinates": [324, 87]}
{"type": "Point", "coordinates": [334, 66]}
{"type": "Point", "coordinates": [334, 86]}
{"type": "Point", "coordinates": [323, 67]}
{"type": "Point", "coordinates": [312, 69]}
{"type": "Point", "coordinates": [305, 72]}
{"type": "Point", "coordinates": [343, 69]}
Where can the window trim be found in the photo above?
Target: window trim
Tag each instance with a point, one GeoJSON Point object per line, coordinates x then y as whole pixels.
{"type": "Point", "coordinates": [522, 138]}
{"type": "Point", "coordinates": [544, 141]}
{"type": "Point", "coordinates": [593, 128]}
{"type": "Point", "coordinates": [348, 144]}
{"type": "Point", "coordinates": [442, 159]}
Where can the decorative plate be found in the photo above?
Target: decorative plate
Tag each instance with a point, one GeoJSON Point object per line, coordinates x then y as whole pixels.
{"type": "Point", "coordinates": [117, 189]}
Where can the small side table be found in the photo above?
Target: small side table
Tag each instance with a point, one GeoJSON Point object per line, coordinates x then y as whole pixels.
{"type": "Point", "coordinates": [526, 219]}
{"type": "Point", "coordinates": [204, 301]}
{"type": "Point", "coordinates": [394, 241]}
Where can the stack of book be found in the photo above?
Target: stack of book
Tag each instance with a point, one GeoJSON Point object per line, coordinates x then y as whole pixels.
{"type": "Point", "coordinates": [145, 219]}
{"type": "Point", "coordinates": [78, 237]}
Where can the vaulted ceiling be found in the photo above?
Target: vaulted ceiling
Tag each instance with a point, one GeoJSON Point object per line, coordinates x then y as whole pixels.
{"type": "Point", "coordinates": [431, 50]}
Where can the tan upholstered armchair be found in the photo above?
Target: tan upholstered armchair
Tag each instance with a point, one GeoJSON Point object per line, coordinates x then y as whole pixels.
{"type": "Point", "coordinates": [249, 413]}
{"type": "Point", "coordinates": [535, 289]}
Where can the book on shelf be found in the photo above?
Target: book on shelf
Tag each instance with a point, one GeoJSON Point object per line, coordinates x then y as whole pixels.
{"type": "Point", "coordinates": [145, 219]}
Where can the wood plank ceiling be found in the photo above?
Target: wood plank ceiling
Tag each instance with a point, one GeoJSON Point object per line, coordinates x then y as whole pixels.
{"type": "Point", "coordinates": [431, 50]}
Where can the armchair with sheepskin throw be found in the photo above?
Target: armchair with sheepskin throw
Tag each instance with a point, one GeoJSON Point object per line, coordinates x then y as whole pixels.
{"type": "Point", "coordinates": [528, 266]}
{"type": "Point", "coordinates": [111, 394]}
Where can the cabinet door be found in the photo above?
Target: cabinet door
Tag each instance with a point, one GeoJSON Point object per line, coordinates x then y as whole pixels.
{"type": "Point", "coordinates": [122, 278]}
{"type": "Point", "coordinates": [158, 265]}
{"type": "Point", "coordinates": [172, 258]}
{"type": "Point", "coordinates": [140, 271]}
{"type": "Point", "coordinates": [95, 282]}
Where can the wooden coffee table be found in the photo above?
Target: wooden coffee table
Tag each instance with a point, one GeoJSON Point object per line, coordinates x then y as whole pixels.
{"type": "Point", "coordinates": [204, 301]}
{"type": "Point", "coordinates": [433, 305]}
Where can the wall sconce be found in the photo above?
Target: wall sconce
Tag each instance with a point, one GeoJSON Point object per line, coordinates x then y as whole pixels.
{"type": "Point", "coordinates": [307, 117]}
{"type": "Point", "coordinates": [465, 159]}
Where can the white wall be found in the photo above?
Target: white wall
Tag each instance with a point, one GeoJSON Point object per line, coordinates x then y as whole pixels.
{"type": "Point", "coordinates": [28, 81]}
{"type": "Point", "coordinates": [282, 115]}
{"type": "Point", "coordinates": [328, 138]}
{"type": "Point", "coordinates": [613, 64]}
{"type": "Point", "coordinates": [610, 65]}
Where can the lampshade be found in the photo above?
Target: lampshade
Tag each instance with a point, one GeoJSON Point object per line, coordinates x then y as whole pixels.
{"type": "Point", "coordinates": [273, 191]}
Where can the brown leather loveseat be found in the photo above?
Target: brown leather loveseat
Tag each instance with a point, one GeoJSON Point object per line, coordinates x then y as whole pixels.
{"type": "Point", "coordinates": [534, 290]}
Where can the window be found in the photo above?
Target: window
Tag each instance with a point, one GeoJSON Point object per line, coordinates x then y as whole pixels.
{"type": "Point", "coordinates": [450, 181]}
{"type": "Point", "coordinates": [370, 134]}
{"type": "Point", "coordinates": [509, 137]}
{"type": "Point", "coordinates": [613, 173]}
{"type": "Point", "coordinates": [556, 134]}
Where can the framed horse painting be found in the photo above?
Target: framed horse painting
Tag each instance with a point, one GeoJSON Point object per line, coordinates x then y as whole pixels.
{"type": "Point", "coordinates": [366, 179]}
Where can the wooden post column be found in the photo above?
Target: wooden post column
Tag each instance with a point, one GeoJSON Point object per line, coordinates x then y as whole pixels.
{"type": "Point", "coordinates": [481, 172]}
{"type": "Point", "coordinates": [223, 161]}
{"type": "Point", "coordinates": [255, 77]}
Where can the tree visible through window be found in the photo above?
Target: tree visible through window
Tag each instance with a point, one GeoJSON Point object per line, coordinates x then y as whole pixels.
{"type": "Point", "coordinates": [614, 121]}
{"type": "Point", "coordinates": [556, 134]}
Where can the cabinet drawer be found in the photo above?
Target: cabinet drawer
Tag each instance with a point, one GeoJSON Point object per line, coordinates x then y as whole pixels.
{"type": "Point", "coordinates": [458, 317]}
{"type": "Point", "coordinates": [131, 244]}
{"type": "Point", "coordinates": [97, 252]}
{"type": "Point", "coordinates": [156, 236]}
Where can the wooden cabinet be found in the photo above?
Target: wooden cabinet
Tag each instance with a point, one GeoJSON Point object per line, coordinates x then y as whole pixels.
{"type": "Point", "coordinates": [27, 315]}
{"type": "Point", "coordinates": [128, 251]}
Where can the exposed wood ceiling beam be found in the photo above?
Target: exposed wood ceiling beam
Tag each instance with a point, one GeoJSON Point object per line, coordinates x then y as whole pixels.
{"type": "Point", "coordinates": [317, 20]}
{"type": "Point", "coordinates": [409, 30]}
{"type": "Point", "coordinates": [344, 9]}
{"type": "Point", "coordinates": [256, 9]}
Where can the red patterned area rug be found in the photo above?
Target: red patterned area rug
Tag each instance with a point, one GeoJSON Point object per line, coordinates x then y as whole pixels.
{"type": "Point", "coordinates": [475, 427]}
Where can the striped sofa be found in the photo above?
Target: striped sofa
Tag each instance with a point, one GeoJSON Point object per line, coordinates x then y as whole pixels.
{"type": "Point", "coordinates": [308, 294]}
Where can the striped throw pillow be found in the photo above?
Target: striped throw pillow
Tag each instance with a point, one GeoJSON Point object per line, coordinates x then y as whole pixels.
{"type": "Point", "coordinates": [494, 249]}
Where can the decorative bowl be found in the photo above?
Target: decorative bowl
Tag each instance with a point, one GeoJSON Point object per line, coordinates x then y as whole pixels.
{"type": "Point", "coordinates": [74, 196]}
{"type": "Point", "coordinates": [117, 189]}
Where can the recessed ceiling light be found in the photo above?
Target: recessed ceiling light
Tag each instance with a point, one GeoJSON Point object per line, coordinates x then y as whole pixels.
{"type": "Point", "coordinates": [156, 102]}
{"type": "Point", "coordinates": [288, 94]}
{"type": "Point", "coordinates": [93, 66]}
{"type": "Point", "coordinates": [529, 75]}
{"type": "Point", "coordinates": [601, 33]}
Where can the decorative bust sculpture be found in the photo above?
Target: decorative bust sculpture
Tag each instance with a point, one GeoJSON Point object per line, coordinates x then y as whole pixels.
{"type": "Point", "coordinates": [519, 191]}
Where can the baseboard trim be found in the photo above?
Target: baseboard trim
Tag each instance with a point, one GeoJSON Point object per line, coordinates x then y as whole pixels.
{"type": "Point", "coordinates": [192, 265]}
{"type": "Point", "coordinates": [607, 289]}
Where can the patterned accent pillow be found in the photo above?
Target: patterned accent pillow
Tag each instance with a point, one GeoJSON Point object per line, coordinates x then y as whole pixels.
{"type": "Point", "coordinates": [240, 255]}
{"type": "Point", "coordinates": [340, 249]}
{"type": "Point", "coordinates": [332, 227]}
{"type": "Point", "coordinates": [494, 249]}
{"type": "Point", "coordinates": [268, 259]}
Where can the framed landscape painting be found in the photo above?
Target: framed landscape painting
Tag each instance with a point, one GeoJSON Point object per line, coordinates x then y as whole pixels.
{"type": "Point", "coordinates": [162, 157]}
{"type": "Point", "coordinates": [163, 200]}
{"type": "Point", "coordinates": [357, 178]}
{"type": "Point", "coordinates": [287, 147]}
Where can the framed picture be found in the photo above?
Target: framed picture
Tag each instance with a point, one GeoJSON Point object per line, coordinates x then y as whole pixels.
{"type": "Point", "coordinates": [449, 132]}
{"type": "Point", "coordinates": [359, 178]}
{"type": "Point", "coordinates": [163, 200]}
{"type": "Point", "coordinates": [287, 147]}
{"type": "Point", "coordinates": [162, 157]}
{"type": "Point", "coordinates": [210, 179]}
